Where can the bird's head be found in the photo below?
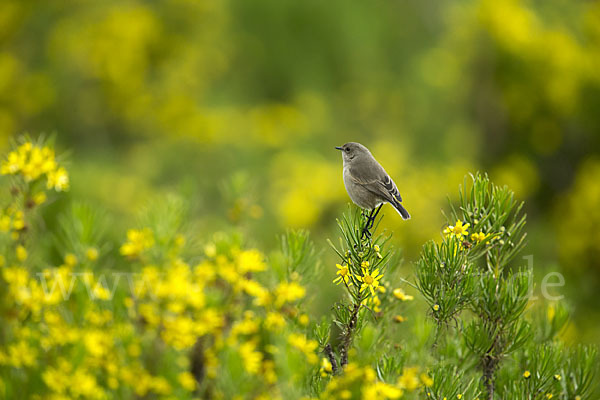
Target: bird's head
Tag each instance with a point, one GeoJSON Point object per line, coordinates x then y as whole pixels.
{"type": "Point", "coordinates": [353, 150]}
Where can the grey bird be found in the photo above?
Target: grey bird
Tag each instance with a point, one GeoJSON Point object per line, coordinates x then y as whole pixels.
{"type": "Point", "coordinates": [367, 183]}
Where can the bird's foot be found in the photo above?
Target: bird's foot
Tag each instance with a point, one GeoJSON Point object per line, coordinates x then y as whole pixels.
{"type": "Point", "coordinates": [366, 233]}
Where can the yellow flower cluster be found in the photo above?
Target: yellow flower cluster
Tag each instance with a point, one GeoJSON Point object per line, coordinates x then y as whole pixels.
{"type": "Point", "coordinates": [137, 242]}
{"type": "Point", "coordinates": [58, 326]}
{"type": "Point", "coordinates": [173, 301]}
{"type": "Point", "coordinates": [368, 279]}
{"type": "Point", "coordinates": [400, 295]}
{"type": "Point", "coordinates": [411, 379]}
{"type": "Point", "coordinates": [12, 220]}
{"type": "Point", "coordinates": [32, 161]}
{"type": "Point", "coordinates": [308, 347]}
{"type": "Point", "coordinates": [364, 381]}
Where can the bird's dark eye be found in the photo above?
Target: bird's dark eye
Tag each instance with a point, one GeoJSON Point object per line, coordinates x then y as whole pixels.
{"type": "Point", "coordinates": [347, 149]}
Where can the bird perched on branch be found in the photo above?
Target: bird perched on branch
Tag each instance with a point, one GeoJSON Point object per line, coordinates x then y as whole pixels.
{"type": "Point", "coordinates": [367, 183]}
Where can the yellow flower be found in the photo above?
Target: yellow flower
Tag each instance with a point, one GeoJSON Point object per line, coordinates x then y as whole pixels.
{"type": "Point", "coordinates": [364, 264]}
{"type": "Point", "coordinates": [21, 354]}
{"type": "Point", "coordinates": [399, 318]}
{"type": "Point", "coordinates": [91, 254]}
{"type": "Point", "coordinates": [369, 280]}
{"type": "Point", "coordinates": [251, 260]}
{"type": "Point", "coordinates": [274, 321]}
{"type": "Point", "coordinates": [459, 230]}
{"type": "Point", "coordinates": [409, 380]}
{"type": "Point", "coordinates": [187, 381]}
{"type": "Point", "coordinates": [303, 319]}
{"type": "Point", "coordinates": [58, 180]}
{"type": "Point", "coordinates": [137, 242]}
{"type": "Point", "coordinates": [426, 379]}
{"type": "Point", "coordinates": [436, 307]}
{"type": "Point", "coordinates": [21, 253]}
{"type": "Point", "coordinates": [308, 347]}
{"type": "Point", "coordinates": [269, 372]}
{"type": "Point", "coordinates": [13, 163]}
{"type": "Point", "coordinates": [4, 223]}
{"type": "Point", "coordinates": [19, 220]}
{"type": "Point", "coordinates": [344, 274]}
{"type": "Point", "coordinates": [478, 237]}
{"type": "Point", "coordinates": [557, 377]}
{"type": "Point", "coordinates": [326, 367]}
{"type": "Point", "coordinates": [400, 295]}
{"type": "Point", "coordinates": [254, 289]}
{"type": "Point", "coordinates": [526, 374]}
{"type": "Point", "coordinates": [70, 260]}
{"type": "Point", "coordinates": [459, 396]}
{"type": "Point", "coordinates": [381, 390]}
{"type": "Point", "coordinates": [376, 303]}
{"type": "Point", "coordinates": [39, 198]}
{"type": "Point", "coordinates": [288, 292]}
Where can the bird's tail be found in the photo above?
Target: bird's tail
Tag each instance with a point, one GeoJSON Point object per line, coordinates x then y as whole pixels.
{"type": "Point", "coordinates": [401, 210]}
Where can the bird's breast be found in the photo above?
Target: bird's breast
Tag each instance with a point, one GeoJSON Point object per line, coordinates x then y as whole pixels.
{"type": "Point", "coordinates": [358, 193]}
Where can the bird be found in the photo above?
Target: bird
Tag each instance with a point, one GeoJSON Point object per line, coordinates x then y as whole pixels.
{"type": "Point", "coordinates": [367, 183]}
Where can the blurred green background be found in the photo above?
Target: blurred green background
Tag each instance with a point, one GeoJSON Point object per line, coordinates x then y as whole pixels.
{"type": "Point", "coordinates": [236, 106]}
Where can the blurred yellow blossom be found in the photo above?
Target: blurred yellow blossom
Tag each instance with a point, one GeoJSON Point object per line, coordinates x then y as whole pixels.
{"type": "Point", "coordinates": [250, 357]}
{"type": "Point", "coordinates": [326, 367]}
{"type": "Point", "coordinates": [426, 379]}
{"type": "Point", "coordinates": [251, 261]}
{"type": "Point", "coordinates": [39, 198]}
{"type": "Point", "coordinates": [274, 321]}
{"type": "Point", "coordinates": [288, 292]}
{"type": "Point", "coordinates": [21, 253]}
{"type": "Point", "coordinates": [308, 347]}
{"type": "Point", "coordinates": [409, 379]}
{"type": "Point", "coordinates": [400, 295]}
{"type": "Point", "coordinates": [92, 253]}
{"type": "Point", "coordinates": [32, 161]}
{"type": "Point", "coordinates": [137, 242]}
{"type": "Point", "coordinates": [58, 180]}
{"type": "Point", "coordinates": [478, 237]}
{"type": "Point", "coordinates": [70, 259]}
{"type": "Point", "coordinates": [303, 319]}
{"type": "Point", "coordinates": [187, 381]}
{"type": "Point", "coordinates": [381, 390]}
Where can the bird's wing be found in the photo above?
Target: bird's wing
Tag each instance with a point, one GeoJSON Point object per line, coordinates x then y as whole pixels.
{"type": "Point", "coordinates": [377, 181]}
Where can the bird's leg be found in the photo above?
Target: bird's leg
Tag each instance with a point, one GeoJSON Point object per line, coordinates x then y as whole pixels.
{"type": "Point", "coordinates": [372, 218]}
{"type": "Point", "coordinates": [365, 231]}
{"type": "Point", "coordinates": [370, 221]}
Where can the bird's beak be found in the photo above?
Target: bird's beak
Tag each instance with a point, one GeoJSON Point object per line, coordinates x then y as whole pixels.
{"type": "Point", "coordinates": [339, 148]}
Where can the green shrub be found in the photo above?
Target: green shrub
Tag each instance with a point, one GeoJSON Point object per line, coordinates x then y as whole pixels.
{"type": "Point", "coordinates": [168, 315]}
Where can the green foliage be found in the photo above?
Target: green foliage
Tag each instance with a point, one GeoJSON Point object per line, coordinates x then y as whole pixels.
{"type": "Point", "coordinates": [449, 382]}
{"type": "Point", "coordinates": [489, 301]}
{"type": "Point", "coordinates": [445, 278]}
{"type": "Point", "coordinates": [162, 313]}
